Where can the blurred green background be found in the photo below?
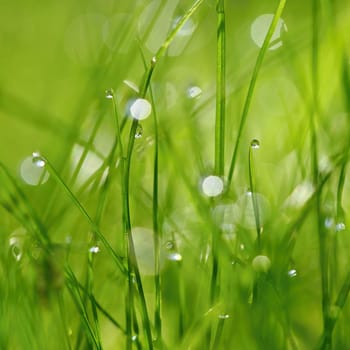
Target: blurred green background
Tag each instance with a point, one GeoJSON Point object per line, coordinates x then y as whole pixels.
{"type": "Point", "coordinates": [57, 59]}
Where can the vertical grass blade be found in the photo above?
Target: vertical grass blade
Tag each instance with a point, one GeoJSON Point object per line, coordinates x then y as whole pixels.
{"type": "Point", "coordinates": [220, 89]}
{"type": "Point", "coordinates": [251, 87]}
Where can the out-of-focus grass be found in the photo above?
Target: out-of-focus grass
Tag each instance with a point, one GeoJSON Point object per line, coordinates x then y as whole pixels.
{"type": "Point", "coordinates": [67, 281]}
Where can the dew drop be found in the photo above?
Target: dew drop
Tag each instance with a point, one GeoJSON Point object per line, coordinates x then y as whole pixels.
{"type": "Point", "coordinates": [16, 242]}
{"type": "Point", "coordinates": [134, 338]}
{"type": "Point", "coordinates": [154, 60]}
{"type": "Point", "coordinates": [261, 263]}
{"type": "Point", "coordinates": [140, 109]}
{"type": "Point", "coordinates": [94, 249]}
{"type": "Point", "coordinates": [194, 92]}
{"type": "Point", "coordinates": [328, 223]}
{"type": "Point", "coordinates": [255, 144]}
{"type": "Point", "coordinates": [175, 257]}
{"type": "Point", "coordinates": [212, 186]}
{"type": "Point", "coordinates": [169, 245]}
{"type": "Point", "coordinates": [38, 160]}
{"type": "Point", "coordinates": [139, 131]}
{"type": "Point", "coordinates": [224, 316]}
{"type": "Point", "coordinates": [340, 226]}
{"type": "Point", "coordinates": [292, 273]}
{"type": "Point", "coordinates": [32, 170]}
{"type": "Point", "coordinates": [109, 93]}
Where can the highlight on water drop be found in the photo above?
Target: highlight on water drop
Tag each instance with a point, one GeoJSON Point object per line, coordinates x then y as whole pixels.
{"type": "Point", "coordinates": [139, 131]}
{"type": "Point", "coordinates": [32, 170]}
{"type": "Point", "coordinates": [175, 256]}
{"type": "Point", "coordinates": [109, 93]}
{"type": "Point", "coordinates": [212, 186]}
{"type": "Point", "coordinates": [255, 144]}
{"type": "Point", "coordinates": [94, 249]}
{"type": "Point", "coordinates": [140, 109]}
{"type": "Point", "coordinates": [194, 92]}
{"type": "Point", "coordinates": [16, 243]}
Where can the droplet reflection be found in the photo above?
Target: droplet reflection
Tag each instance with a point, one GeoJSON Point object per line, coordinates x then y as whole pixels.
{"type": "Point", "coordinates": [139, 131]}
{"type": "Point", "coordinates": [212, 186]}
{"type": "Point", "coordinates": [255, 144]}
{"type": "Point", "coordinates": [32, 170]}
{"type": "Point", "coordinates": [140, 109]}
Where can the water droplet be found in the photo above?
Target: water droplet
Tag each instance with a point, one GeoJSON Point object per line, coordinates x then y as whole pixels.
{"type": "Point", "coordinates": [16, 243]}
{"type": "Point", "coordinates": [32, 170]}
{"type": "Point", "coordinates": [109, 93]}
{"type": "Point", "coordinates": [139, 131]}
{"type": "Point", "coordinates": [94, 249]}
{"type": "Point", "coordinates": [261, 263]}
{"type": "Point", "coordinates": [212, 186]}
{"type": "Point", "coordinates": [175, 257]}
{"type": "Point", "coordinates": [38, 160]}
{"type": "Point", "coordinates": [260, 27]}
{"type": "Point", "coordinates": [134, 338]}
{"type": "Point", "coordinates": [154, 60]}
{"type": "Point", "coordinates": [131, 85]}
{"type": "Point", "coordinates": [194, 92]}
{"type": "Point", "coordinates": [328, 223]}
{"type": "Point", "coordinates": [169, 245]}
{"type": "Point", "coordinates": [255, 144]}
{"type": "Point", "coordinates": [292, 273]}
{"type": "Point", "coordinates": [241, 247]}
{"type": "Point", "coordinates": [340, 226]}
{"type": "Point", "coordinates": [224, 316]}
{"type": "Point", "coordinates": [140, 109]}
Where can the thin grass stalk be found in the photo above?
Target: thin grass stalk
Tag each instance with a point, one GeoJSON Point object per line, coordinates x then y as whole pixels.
{"type": "Point", "coordinates": [322, 234]}
{"type": "Point", "coordinates": [252, 85]}
{"type": "Point", "coordinates": [131, 255]}
{"type": "Point", "coordinates": [156, 232]}
{"type": "Point", "coordinates": [85, 152]}
{"type": "Point", "coordinates": [73, 287]}
{"type": "Point", "coordinates": [117, 259]}
{"type": "Point", "coordinates": [130, 305]}
{"type": "Point", "coordinates": [324, 343]}
{"type": "Point", "coordinates": [220, 89]}
{"type": "Point", "coordinates": [157, 237]}
{"type": "Point", "coordinates": [61, 308]}
{"type": "Point", "coordinates": [253, 195]}
{"type": "Point", "coordinates": [132, 261]}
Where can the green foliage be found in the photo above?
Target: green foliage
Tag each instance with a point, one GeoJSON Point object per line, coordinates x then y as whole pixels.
{"type": "Point", "coordinates": [218, 222]}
